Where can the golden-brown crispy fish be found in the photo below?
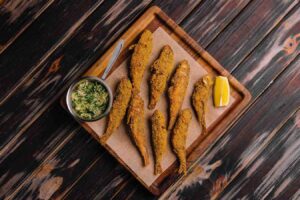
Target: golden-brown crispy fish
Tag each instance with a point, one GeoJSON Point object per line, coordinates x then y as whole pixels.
{"type": "Point", "coordinates": [136, 123]}
{"type": "Point", "coordinates": [179, 137]}
{"type": "Point", "coordinates": [177, 90]}
{"type": "Point", "coordinates": [118, 111]}
{"type": "Point", "coordinates": [140, 58]}
{"type": "Point", "coordinates": [160, 72]}
{"type": "Point", "coordinates": [201, 93]}
{"type": "Point", "coordinates": [159, 139]}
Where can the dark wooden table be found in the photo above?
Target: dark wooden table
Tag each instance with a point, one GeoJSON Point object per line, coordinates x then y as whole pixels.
{"type": "Point", "coordinates": [46, 44]}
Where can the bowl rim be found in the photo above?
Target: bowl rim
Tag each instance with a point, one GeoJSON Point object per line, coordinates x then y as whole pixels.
{"type": "Point", "coordinates": [69, 100]}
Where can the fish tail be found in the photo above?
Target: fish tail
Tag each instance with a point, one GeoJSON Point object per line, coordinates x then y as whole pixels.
{"type": "Point", "coordinates": [145, 157]}
{"type": "Point", "coordinates": [105, 137]}
{"type": "Point", "coordinates": [182, 168]}
{"type": "Point", "coordinates": [157, 169]}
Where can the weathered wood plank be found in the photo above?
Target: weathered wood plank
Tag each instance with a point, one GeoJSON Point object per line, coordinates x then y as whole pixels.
{"type": "Point", "coordinates": [236, 150]}
{"type": "Point", "coordinates": [108, 177]}
{"type": "Point", "coordinates": [272, 170]}
{"type": "Point", "coordinates": [40, 40]}
{"type": "Point", "coordinates": [280, 60]}
{"type": "Point", "coordinates": [49, 180]}
{"type": "Point", "coordinates": [177, 10]}
{"type": "Point", "coordinates": [29, 169]}
{"type": "Point", "coordinates": [64, 66]}
{"type": "Point", "coordinates": [272, 55]}
{"type": "Point", "coordinates": [33, 147]}
{"type": "Point", "coordinates": [137, 193]}
{"type": "Point", "coordinates": [211, 17]}
{"type": "Point", "coordinates": [23, 149]}
{"type": "Point", "coordinates": [89, 180]}
{"type": "Point", "coordinates": [248, 30]}
{"type": "Point", "coordinates": [16, 16]}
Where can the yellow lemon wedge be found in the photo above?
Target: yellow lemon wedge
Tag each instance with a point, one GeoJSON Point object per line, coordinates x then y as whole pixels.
{"type": "Point", "coordinates": [221, 91]}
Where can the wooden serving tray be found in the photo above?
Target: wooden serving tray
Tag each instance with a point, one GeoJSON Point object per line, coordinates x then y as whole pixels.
{"type": "Point", "coordinates": [165, 31]}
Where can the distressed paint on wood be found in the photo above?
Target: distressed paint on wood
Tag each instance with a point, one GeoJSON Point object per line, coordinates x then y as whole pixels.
{"type": "Point", "coordinates": [89, 180]}
{"type": "Point", "coordinates": [248, 30]}
{"type": "Point", "coordinates": [24, 141]}
{"type": "Point", "coordinates": [238, 148]}
{"type": "Point", "coordinates": [36, 144]}
{"type": "Point", "coordinates": [63, 164]}
{"type": "Point", "coordinates": [16, 16]}
{"type": "Point", "coordinates": [272, 55]}
{"type": "Point", "coordinates": [41, 39]}
{"type": "Point", "coordinates": [55, 67]}
{"type": "Point", "coordinates": [211, 17]}
{"type": "Point", "coordinates": [220, 180]}
{"type": "Point", "coordinates": [273, 170]}
{"type": "Point", "coordinates": [281, 60]}
{"type": "Point", "coordinates": [73, 58]}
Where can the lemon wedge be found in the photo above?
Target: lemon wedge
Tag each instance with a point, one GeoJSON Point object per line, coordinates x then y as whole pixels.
{"type": "Point", "coordinates": [221, 91]}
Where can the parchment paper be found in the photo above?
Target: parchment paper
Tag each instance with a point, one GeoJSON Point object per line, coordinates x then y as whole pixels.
{"type": "Point", "coordinates": [120, 142]}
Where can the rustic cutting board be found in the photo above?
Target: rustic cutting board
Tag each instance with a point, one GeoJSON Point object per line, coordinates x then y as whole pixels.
{"type": "Point", "coordinates": [165, 31]}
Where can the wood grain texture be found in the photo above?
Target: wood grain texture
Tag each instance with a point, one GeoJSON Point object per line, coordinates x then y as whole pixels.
{"type": "Point", "coordinates": [64, 165]}
{"type": "Point", "coordinates": [276, 63]}
{"type": "Point", "coordinates": [154, 19]}
{"type": "Point", "coordinates": [272, 55]}
{"type": "Point", "coordinates": [274, 169]}
{"type": "Point", "coordinates": [246, 31]}
{"type": "Point", "coordinates": [122, 192]}
{"type": "Point", "coordinates": [49, 80]}
{"type": "Point", "coordinates": [39, 160]}
{"type": "Point", "coordinates": [33, 147]}
{"type": "Point", "coordinates": [233, 152]}
{"type": "Point", "coordinates": [210, 18]}
{"type": "Point", "coordinates": [64, 66]}
{"type": "Point", "coordinates": [16, 16]}
{"type": "Point", "coordinates": [60, 127]}
{"type": "Point", "coordinates": [37, 43]}
{"type": "Point", "coordinates": [130, 188]}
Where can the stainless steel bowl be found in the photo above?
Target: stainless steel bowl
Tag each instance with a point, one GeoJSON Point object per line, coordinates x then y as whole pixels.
{"type": "Point", "coordinates": [69, 99]}
{"type": "Point", "coordinates": [112, 60]}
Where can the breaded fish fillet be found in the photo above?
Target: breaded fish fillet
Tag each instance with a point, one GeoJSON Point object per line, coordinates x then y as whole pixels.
{"type": "Point", "coordinates": [136, 123]}
{"type": "Point", "coordinates": [140, 58]}
{"type": "Point", "coordinates": [160, 72]}
{"type": "Point", "coordinates": [201, 93]}
{"type": "Point", "coordinates": [119, 107]}
{"type": "Point", "coordinates": [177, 90]}
{"type": "Point", "coordinates": [159, 139]}
{"type": "Point", "coordinates": [179, 137]}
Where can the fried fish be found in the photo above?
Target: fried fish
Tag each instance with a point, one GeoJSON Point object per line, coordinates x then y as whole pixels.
{"type": "Point", "coordinates": [136, 123]}
{"type": "Point", "coordinates": [160, 72]}
{"type": "Point", "coordinates": [201, 93]}
{"type": "Point", "coordinates": [140, 58]}
{"type": "Point", "coordinates": [159, 139]}
{"type": "Point", "coordinates": [179, 137]}
{"type": "Point", "coordinates": [177, 90]}
{"type": "Point", "coordinates": [118, 111]}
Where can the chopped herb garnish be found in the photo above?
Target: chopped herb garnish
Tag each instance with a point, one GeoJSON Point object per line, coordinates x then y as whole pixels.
{"type": "Point", "coordinates": [89, 99]}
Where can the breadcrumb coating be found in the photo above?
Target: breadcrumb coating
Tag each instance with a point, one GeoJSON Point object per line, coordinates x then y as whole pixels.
{"type": "Point", "coordinates": [160, 72]}
{"type": "Point", "coordinates": [179, 136]}
{"type": "Point", "coordinates": [140, 58]}
{"type": "Point", "coordinates": [119, 107]}
{"type": "Point", "coordinates": [136, 123]}
{"type": "Point", "coordinates": [201, 93]}
{"type": "Point", "coordinates": [177, 90]}
{"type": "Point", "coordinates": [159, 139]}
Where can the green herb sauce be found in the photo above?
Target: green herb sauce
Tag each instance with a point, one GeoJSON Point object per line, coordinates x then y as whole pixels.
{"type": "Point", "coordinates": [89, 99]}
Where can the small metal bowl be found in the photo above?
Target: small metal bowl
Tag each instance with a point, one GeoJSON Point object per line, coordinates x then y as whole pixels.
{"type": "Point", "coordinates": [69, 99]}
